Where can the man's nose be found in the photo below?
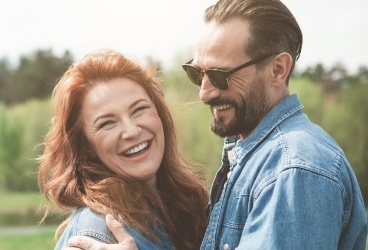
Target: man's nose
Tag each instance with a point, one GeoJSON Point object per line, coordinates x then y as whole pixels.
{"type": "Point", "coordinates": [207, 91]}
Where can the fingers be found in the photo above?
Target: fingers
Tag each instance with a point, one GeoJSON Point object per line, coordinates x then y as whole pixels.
{"type": "Point", "coordinates": [85, 243]}
{"type": "Point", "coordinates": [116, 228]}
{"type": "Point", "coordinates": [124, 239]}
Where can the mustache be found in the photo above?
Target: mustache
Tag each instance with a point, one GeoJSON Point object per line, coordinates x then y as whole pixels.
{"type": "Point", "coordinates": [220, 101]}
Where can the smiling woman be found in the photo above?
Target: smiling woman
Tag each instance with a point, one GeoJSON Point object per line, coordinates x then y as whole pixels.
{"type": "Point", "coordinates": [123, 129]}
{"type": "Point", "coordinates": [112, 149]}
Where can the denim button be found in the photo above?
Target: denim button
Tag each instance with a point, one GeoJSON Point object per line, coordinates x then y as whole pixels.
{"type": "Point", "coordinates": [226, 246]}
{"type": "Point", "coordinates": [209, 236]}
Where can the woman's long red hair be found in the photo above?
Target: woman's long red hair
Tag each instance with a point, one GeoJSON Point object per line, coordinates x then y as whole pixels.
{"type": "Point", "coordinates": [68, 177]}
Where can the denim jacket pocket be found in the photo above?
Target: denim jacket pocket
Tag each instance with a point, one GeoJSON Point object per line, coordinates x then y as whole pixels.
{"type": "Point", "coordinates": [233, 223]}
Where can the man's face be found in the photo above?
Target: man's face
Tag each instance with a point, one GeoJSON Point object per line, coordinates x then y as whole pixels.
{"type": "Point", "coordinates": [238, 109]}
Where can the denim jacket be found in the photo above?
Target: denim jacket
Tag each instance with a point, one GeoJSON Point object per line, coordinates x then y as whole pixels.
{"type": "Point", "coordinates": [87, 223]}
{"type": "Point", "coordinates": [287, 186]}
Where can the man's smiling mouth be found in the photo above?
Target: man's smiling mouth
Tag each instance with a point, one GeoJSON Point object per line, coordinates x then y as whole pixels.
{"type": "Point", "coordinates": [221, 107]}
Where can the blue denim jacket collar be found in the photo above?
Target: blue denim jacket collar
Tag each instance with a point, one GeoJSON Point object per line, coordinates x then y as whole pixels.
{"type": "Point", "coordinates": [287, 107]}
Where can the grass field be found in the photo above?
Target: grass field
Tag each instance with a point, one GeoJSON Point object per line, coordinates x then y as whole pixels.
{"type": "Point", "coordinates": [20, 214]}
{"type": "Point", "coordinates": [26, 209]}
{"type": "Point", "coordinates": [19, 201]}
{"type": "Point", "coordinates": [25, 238]}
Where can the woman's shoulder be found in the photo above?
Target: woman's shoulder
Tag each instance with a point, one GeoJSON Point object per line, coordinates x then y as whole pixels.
{"type": "Point", "coordinates": [88, 223]}
{"type": "Point", "coordinates": [85, 222]}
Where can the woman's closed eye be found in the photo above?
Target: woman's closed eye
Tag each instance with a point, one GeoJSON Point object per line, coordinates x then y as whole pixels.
{"type": "Point", "coordinates": [140, 110]}
{"type": "Point", "coordinates": [106, 124]}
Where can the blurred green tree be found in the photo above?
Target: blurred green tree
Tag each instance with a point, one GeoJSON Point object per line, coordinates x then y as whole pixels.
{"type": "Point", "coordinates": [340, 108]}
{"type": "Point", "coordinates": [22, 128]}
{"type": "Point", "coordinates": [10, 139]}
{"type": "Point", "coordinates": [6, 81]}
{"type": "Point", "coordinates": [34, 77]}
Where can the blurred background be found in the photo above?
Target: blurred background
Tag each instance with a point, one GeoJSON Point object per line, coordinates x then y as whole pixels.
{"type": "Point", "coordinates": [40, 39]}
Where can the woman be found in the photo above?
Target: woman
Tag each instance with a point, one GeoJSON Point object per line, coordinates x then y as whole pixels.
{"type": "Point", "coordinates": [112, 149]}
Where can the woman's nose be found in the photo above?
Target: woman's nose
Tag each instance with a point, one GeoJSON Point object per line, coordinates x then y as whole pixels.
{"type": "Point", "coordinates": [130, 129]}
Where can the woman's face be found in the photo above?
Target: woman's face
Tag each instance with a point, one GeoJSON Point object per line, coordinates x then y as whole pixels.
{"type": "Point", "coordinates": [123, 128]}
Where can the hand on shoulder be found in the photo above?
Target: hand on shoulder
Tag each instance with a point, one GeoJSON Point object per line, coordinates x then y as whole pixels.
{"type": "Point", "coordinates": [125, 241]}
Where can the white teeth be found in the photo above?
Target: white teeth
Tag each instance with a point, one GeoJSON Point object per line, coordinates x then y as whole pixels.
{"type": "Point", "coordinates": [222, 107]}
{"type": "Point", "coordinates": [137, 148]}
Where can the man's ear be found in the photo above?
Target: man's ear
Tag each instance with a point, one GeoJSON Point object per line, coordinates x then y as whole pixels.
{"type": "Point", "coordinates": [281, 68]}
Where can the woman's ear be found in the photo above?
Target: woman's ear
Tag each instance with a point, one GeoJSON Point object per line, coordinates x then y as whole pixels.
{"type": "Point", "coordinates": [281, 68]}
{"type": "Point", "coordinates": [90, 153]}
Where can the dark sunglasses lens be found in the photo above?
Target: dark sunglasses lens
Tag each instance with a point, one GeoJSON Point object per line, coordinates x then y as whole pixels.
{"type": "Point", "coordinates": [194, 75]}
{"type": "Point", "coordinates": [218, 79]}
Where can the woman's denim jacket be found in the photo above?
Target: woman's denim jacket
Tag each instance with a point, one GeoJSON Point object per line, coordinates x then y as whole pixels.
{"type": "Point", "coordinates": [288, 186]}
{"type": "Point", "coordinates": [87, 223]}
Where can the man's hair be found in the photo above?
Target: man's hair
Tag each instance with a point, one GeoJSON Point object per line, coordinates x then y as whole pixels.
{"type": "Point", "coordinates": [273, 28]}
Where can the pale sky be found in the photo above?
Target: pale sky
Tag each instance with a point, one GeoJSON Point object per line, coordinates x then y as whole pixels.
{"type": "Point", "coordinates": [334, 30]}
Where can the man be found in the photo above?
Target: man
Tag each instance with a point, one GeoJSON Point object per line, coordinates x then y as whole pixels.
{"type": "Point", "coordinates": [284, 183]}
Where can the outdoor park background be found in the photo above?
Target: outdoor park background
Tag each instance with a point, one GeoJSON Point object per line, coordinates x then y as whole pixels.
{"type": "Point", "coordinates": [332, 98]}
{"type": "Point", "coordinates": [41, 38]}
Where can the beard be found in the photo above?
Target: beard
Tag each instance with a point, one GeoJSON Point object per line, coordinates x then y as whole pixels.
{"type": "Point", "coordinates": [249, 111]}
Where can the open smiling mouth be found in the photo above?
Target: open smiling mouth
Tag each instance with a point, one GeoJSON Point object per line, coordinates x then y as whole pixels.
{"type": "Point", "coordinates": [221, 107]}
{"type": "Point", "coordinates": [143, 147]}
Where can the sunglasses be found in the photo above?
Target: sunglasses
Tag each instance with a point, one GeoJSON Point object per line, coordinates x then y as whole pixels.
{"type": "Point", "coordinates": [218, 77]}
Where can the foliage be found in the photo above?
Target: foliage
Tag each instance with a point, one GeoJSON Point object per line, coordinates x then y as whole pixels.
{"type": "Point", "coordinates": [311, 96]}
{"type": "Point", "coordinates": [22, 127]}
{"type": "Point", "coordinates": [196, 140]}
{"type": "Point", "coordinates": [193, 120]}
{"type": "Point", "coordinates": [332, 98]}
{"type": "Point", "coordinates": [346, 120]}
{"type": "Point", "coordinates": [34, 77]}
{"type": "Point", "coordinates": [10, 140]}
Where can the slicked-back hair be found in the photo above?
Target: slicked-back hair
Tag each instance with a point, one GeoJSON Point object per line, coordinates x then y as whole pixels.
{"type": "Point", "coordinates": [272, 27]}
